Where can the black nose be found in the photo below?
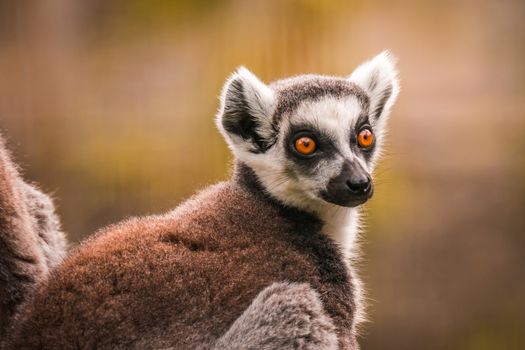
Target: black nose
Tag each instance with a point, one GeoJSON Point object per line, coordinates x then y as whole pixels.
{"type": "Point", "coordinates": [352, 187]}
{"type": "Point", "coordinates": [359, 185]}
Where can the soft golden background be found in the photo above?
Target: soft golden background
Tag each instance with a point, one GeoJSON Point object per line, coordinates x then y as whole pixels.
{"type": "Point", "coordinates": [109, 105]}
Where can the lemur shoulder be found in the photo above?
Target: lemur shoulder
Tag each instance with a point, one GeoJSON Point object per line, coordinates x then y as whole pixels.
{"type": "Point", "coordinates": [260, 261]}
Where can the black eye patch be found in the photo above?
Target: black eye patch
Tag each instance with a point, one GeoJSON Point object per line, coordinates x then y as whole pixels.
{"type": "Point", "coordinates": [325, 146]}
{"type": "Point", "coordinates": [363, 122]}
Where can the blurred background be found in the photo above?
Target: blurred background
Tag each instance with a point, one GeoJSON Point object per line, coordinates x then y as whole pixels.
{"type": "Point", "coordinates": [108, 104]}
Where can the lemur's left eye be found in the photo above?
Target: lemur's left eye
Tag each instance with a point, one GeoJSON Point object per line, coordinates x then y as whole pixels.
{"type": "Point", "coordinates": [365, 138]}
{"type": "Point", "coordinates": [305, 145]}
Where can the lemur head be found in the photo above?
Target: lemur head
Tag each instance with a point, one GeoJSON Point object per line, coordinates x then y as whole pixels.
{"type": "Point", "coordinates": [311, 140]}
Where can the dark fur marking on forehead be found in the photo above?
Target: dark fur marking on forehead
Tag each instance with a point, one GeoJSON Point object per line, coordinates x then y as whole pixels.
{"type": "Point", "coordinates": [291, 92]}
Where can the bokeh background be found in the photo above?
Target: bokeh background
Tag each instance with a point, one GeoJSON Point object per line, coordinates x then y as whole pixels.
{"type": "Point", "coordinates": [108, 104]}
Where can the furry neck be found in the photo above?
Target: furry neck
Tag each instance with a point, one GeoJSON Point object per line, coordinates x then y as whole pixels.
{"type": "Point", "coordinates": [244, 176]}
{"type": "Point", "coordinates": [339, 223]}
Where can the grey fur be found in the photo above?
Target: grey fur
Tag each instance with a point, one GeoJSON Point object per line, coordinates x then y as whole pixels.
{"type": "Point", "coordinates": [31, 242]}
{"type": "Point", "coordinates": [282, 316]}
{"type": "Point", "coordinates": [291, 92]}
{"type": "Point", "coordinates": [46, 223]}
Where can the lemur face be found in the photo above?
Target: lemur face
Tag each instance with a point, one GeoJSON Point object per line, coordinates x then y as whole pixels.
{"type": "Point", "coordinates": [311, 140]}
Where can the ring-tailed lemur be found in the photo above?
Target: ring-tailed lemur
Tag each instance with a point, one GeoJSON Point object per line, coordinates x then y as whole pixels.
{"type": "Point", "coordinates": [256, 262]}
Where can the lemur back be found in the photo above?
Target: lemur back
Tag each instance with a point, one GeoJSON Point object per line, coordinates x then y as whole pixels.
{"type": "Point", "coordinates": [261, 261]}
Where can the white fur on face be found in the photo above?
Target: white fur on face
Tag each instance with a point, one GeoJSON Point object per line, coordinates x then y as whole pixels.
{"type": "Point", "coordinates": [331, 116]}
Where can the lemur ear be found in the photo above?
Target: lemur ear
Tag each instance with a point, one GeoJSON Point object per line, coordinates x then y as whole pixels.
{"type": "Point", "coordinates": [378, 77]}
{"type": "Point", "coordinates": [245, 115]}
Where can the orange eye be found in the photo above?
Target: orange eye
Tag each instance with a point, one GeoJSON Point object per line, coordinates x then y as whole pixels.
{"type": "Point", "coordinates": [365, 138]}
{"type": "Point", "coordinates": [305, 145]}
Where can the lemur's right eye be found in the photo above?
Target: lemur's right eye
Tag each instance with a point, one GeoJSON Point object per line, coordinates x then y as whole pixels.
{"type": "Point", "coordinates": [305, 145]}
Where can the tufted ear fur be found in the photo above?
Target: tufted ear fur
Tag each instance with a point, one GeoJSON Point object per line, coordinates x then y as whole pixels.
{"type": "Point", "coordinates": [378, 77]}
{"type": "Point", "coordinates": [245, 115]}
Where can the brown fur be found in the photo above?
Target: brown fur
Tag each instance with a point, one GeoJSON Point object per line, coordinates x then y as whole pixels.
{"type": "Point", "coordinates": [181, 279]}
